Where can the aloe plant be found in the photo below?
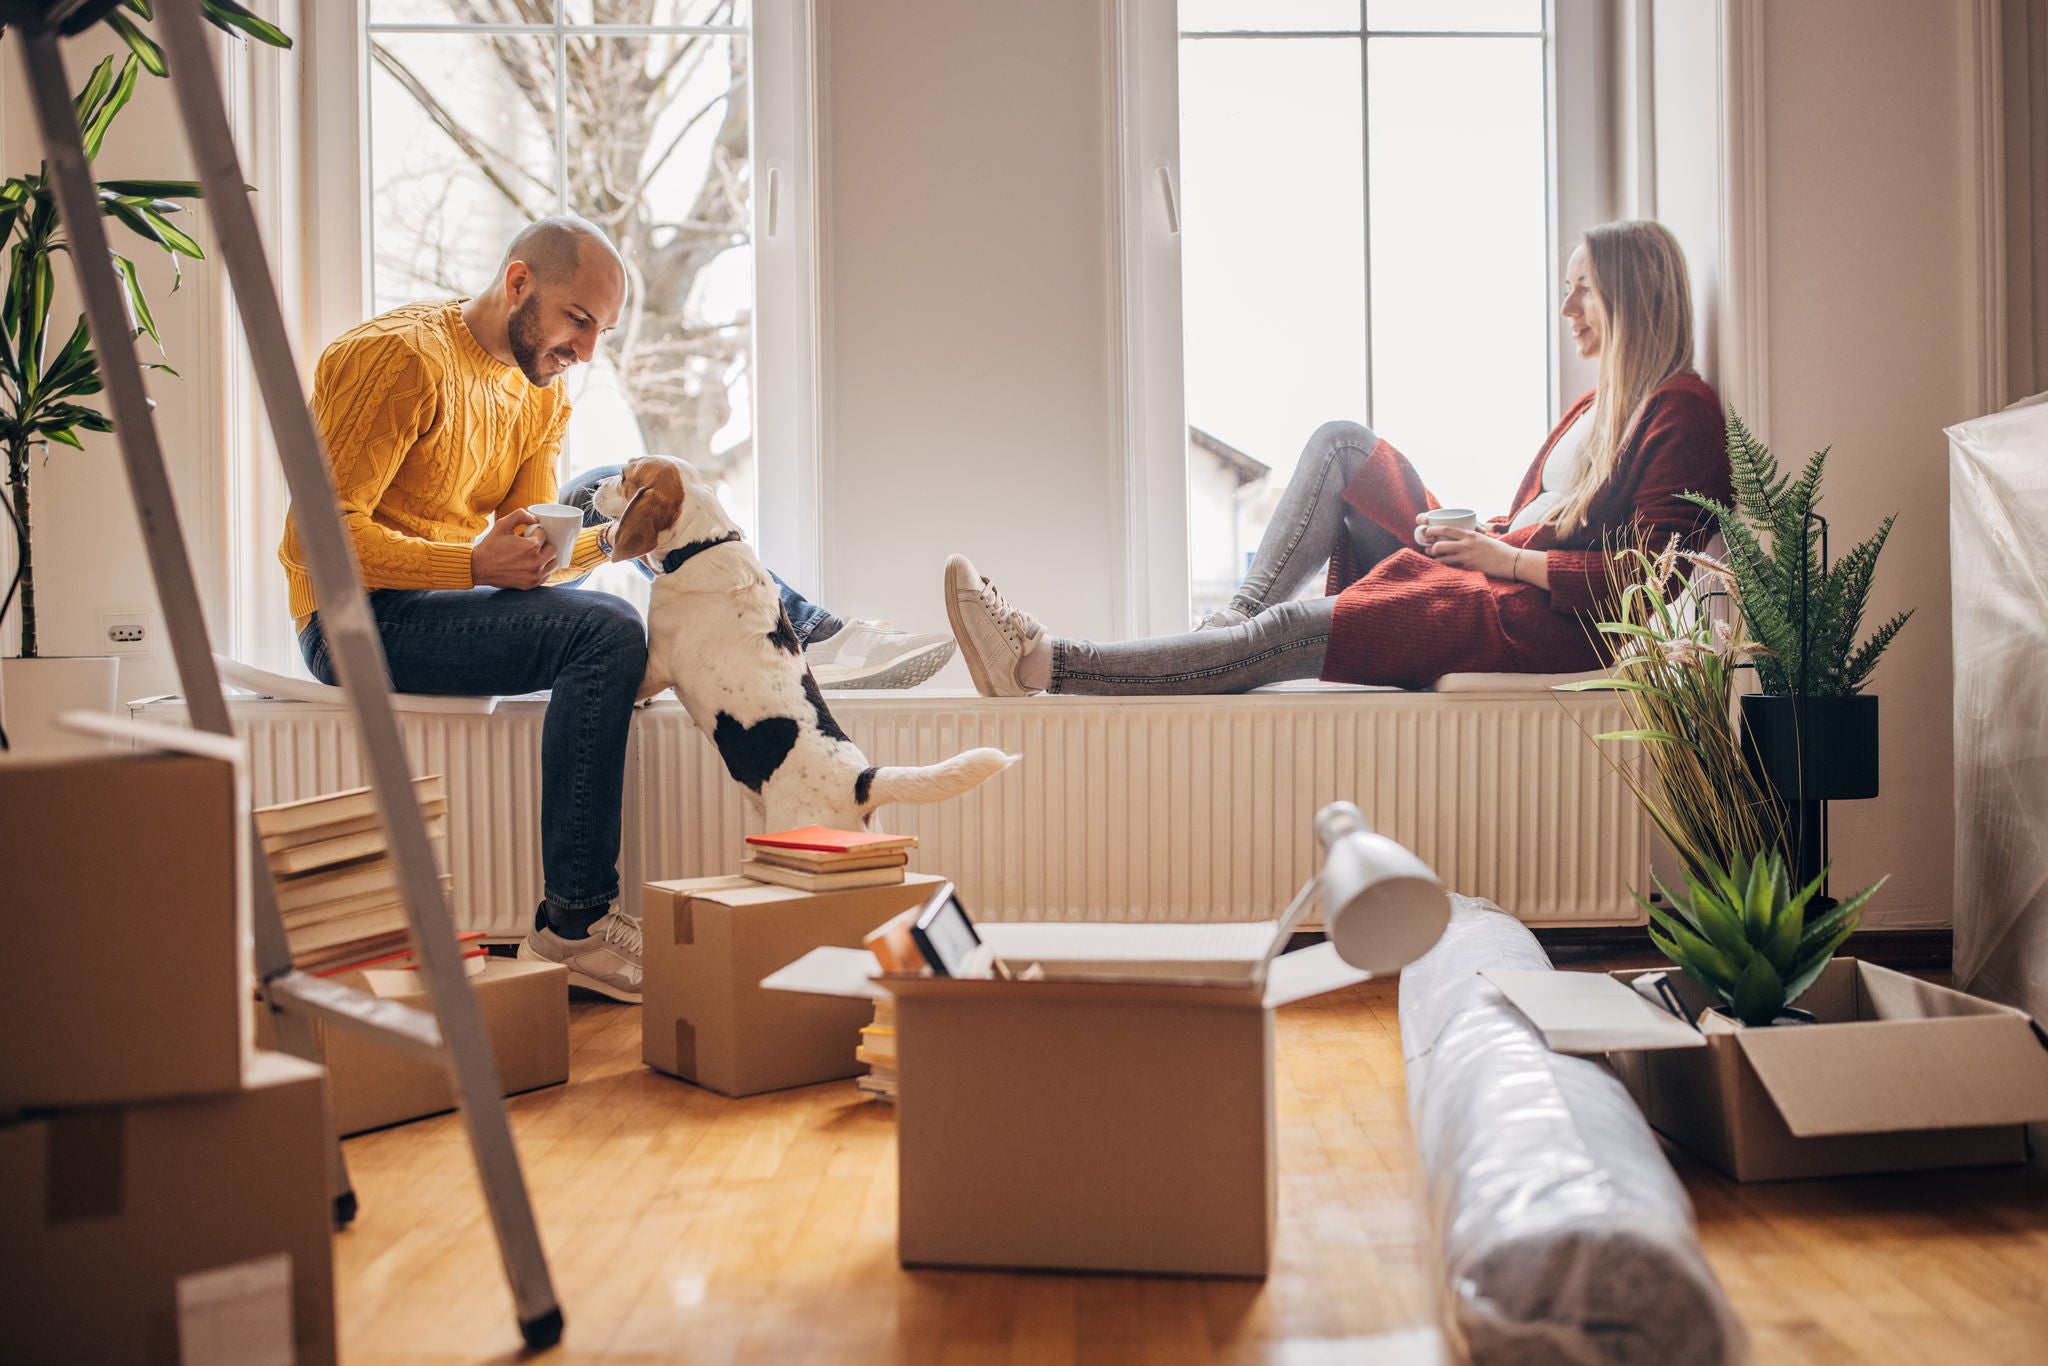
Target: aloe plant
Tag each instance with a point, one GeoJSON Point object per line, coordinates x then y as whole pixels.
{"type": "Point", "coordinates": [43, 395]}
{"type": "Point", "coordinates": [1742, 933]}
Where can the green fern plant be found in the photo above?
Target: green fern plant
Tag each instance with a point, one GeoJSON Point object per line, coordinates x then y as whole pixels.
{"type": "Point", "coordinates": [1806, 617]}
{"type": "Point", "coordinates": [1742, 933]}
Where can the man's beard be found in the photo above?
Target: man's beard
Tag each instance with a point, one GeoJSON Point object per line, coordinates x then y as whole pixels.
{"type": "Point", "coordinates": [523, 331]}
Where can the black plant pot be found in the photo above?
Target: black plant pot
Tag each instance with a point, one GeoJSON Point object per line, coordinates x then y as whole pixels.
{"type": "Point", "coordinates": [1812, 749]}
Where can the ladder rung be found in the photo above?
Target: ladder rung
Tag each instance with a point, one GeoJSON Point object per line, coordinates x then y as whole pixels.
{"type": "Point", "coordinates": [389, 1022]}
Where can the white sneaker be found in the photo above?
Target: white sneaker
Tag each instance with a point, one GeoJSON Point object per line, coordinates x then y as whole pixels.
{"type": "Point", "coordinates": [1222, 619]}
{"type": "Point", "coordinates": [993, 635]}
{"type": "Point", "coordinates": [606, 962]}
{"type": "Point", "coordinates": [874, 654]}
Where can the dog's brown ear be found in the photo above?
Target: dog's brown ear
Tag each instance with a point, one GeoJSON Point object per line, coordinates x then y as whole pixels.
{"type": "Point", "coordinates": [651, 512]}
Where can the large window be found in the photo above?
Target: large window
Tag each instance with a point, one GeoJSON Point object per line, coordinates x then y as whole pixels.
{"type": "Point", "coordinates": [1366, 234]}
{"type": "Point", "coordinates": [485, 114]}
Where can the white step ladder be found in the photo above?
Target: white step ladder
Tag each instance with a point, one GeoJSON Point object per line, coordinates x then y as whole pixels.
{"type": "Point", "coordinates": [453, 1032]}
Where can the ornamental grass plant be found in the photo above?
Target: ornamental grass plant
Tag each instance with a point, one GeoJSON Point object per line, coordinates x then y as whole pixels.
{"type": "Point", "coordinates": [1678, 637]}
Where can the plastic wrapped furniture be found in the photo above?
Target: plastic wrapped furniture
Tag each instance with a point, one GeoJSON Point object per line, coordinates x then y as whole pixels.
{"type": "Point", "coordinates": [1998, 513]}
{"type": "Point", "coordinates": [1565, 1237]}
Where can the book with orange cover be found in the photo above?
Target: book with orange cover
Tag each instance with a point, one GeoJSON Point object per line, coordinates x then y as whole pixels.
{"type": "Point", "coordinates": [817, 837]}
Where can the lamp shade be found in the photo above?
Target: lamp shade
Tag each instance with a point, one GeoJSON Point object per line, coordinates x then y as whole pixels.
{"type": "Point", "coordinates": [1383, 907]}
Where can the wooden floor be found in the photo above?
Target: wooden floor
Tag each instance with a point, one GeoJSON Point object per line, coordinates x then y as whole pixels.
{"type": "Point", "coordinates": [685, 1227]}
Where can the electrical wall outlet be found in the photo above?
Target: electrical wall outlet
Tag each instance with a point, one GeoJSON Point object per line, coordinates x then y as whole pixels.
{"type": "Point", "coordinates": [127, 631]}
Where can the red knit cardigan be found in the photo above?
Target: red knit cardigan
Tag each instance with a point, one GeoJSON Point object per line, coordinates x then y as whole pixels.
{"type": "Point", "coordinates": [1411, 619]}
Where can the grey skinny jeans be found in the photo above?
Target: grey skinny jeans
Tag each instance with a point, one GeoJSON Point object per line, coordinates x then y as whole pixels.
{"type": "Point", "coordinates": [1282, 641]}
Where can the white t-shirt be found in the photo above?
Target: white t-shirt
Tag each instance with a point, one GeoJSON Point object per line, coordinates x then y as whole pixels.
{"type": "Point", "coordinates": [1558, 472]}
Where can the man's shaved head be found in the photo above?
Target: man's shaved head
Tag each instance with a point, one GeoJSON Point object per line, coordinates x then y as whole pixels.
{"type": "Point", "coordinates": [553, 248]}
{"type": "Point", "coordinates": [563, 285]}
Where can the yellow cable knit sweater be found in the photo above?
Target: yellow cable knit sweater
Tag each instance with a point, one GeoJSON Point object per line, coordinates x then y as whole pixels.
{"type": "Point", "coordinates": [430, 437]}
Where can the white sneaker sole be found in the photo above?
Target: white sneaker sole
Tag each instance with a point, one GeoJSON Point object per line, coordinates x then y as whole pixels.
{"type": "Point", "coordinates": [905, 672]}
{"type": "Point", "coordinates": [527, 954]}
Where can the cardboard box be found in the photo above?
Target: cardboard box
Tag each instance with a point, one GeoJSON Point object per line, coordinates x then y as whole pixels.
{"type": "Point", "coordinates": [1899, 1075]}
{"type": "Point", "coordinates": [128, 971]}
{"type": "Point", "coordinates": [1116, 1116]}
{"type": "Point", "coordinates": [172, 1231]}
{"type": "Point", "coordinates": [708, 942]}
{"type": "Point", "coordinates": [526, 1014]}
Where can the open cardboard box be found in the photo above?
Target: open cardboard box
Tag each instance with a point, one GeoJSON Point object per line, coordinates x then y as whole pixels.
{"type": "Point", "coordinates": [1899, 1075]}
{"type": "Point", "coordinates": [1115, 1116]}
{"type": "Point", "coordinates": [525, 1010]}
{"type": "Point", "coordinates": [127, 900]}
{"type": "Point", "coordinates": [706, 944]}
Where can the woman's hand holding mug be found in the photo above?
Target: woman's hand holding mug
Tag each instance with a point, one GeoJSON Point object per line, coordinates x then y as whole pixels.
{"type": "Point", "coordinates": [1452, 535]}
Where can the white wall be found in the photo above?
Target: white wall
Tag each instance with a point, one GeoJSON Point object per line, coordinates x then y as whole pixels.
{"type": "Point", "coordinates": [972, 396]}
{"type": "Point", "coordinates": [1867, 195]}
{"type": "Point", "coordinates": [88, 544]}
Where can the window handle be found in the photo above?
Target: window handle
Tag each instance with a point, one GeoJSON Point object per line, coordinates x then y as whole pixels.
{"type": "Point", "coordinates": [774, 197]}
{"type": "Point", "coordinates": [1171, 199]}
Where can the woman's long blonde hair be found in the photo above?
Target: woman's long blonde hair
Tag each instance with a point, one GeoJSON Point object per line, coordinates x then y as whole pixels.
{"type": "Point", "coordinates": [1645, 297]}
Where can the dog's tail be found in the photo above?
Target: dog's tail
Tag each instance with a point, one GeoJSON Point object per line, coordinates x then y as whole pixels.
{"type": "Point", "coordinates": [878, 787]}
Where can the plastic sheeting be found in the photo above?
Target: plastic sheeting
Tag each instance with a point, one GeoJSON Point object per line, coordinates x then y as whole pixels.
{"type": "Point", "coordinates": [1998, 550]}
{"type": "Point", "coordinates": [1564, 1234]}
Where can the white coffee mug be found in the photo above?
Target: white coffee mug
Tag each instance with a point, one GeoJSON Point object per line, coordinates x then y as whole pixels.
{"type": "Point", "coordinates": [1442, 518]}
{"type": "Point", "coordinates": [560, 523]}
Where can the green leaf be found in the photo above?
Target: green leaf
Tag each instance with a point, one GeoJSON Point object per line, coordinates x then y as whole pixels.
{"type": "Point", "coordinates": [154, 189]}
{"type": "Point", "coordinates": [86, 104]}
{"type": "Point", "coordinates": [1676, 954]}
{"type": "Point", "coordinates": [95, 131]}
{"type": "Point", "coordinates": [141, 7]}
{"type": "Point", "coordinates": [229, 15]}
{"type": "Point", "coordinates": [139, 318]}
{"type": "Point", "coordinates": [1812, 963]}
{"type": "Point", "coordinates": [172, 237]}
{"type": "Point", "coordinates": [63, 437]}
{"type": "Point", "coordinates": [1843, 914]}
{"type": "Point", "coordinates": [1756, 904]}
{"type": "Point", "coordinates": [140, 43]}
{"type": "Point", "coordinates": [1718, 969]}
{"type": "Point", "coordinates": [1759, 993]}
{"type": "Point", "coordinates": [1788, 923]}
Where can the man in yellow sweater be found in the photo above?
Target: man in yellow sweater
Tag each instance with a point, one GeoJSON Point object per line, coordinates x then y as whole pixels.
{"type": "Point", "coordinates": [443, 423]}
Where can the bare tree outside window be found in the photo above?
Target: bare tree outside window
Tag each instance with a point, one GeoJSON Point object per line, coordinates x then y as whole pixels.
{"type": "Point", "coordinates": [487, 114]}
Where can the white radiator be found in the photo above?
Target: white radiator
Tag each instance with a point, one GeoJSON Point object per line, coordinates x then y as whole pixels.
{"type": "Point", "coordinates": [1123, 809]}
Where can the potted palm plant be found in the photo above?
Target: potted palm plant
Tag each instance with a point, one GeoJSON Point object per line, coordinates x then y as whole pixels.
{"type": "Point", "coordinates": [1811, 732]}
{"type": "Point", "coordinates": [46, 390]}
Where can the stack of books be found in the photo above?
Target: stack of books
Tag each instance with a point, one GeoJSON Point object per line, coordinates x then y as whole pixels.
{"type": "Point", "coordinates": [815, 859]}
{"type": "Point", "coordinates": [878, 1050]}
{"type": "Point", "coordinates": [337, 888]}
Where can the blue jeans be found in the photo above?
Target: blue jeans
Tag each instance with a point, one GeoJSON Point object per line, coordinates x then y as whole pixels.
{"type": "Point", "coordinates": [813, 623]}
{"type": "Point", "coordinates": [590, 649]}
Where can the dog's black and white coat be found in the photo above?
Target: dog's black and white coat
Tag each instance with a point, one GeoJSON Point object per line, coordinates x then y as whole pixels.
{"type": "Point", "coordinates": [717, 634]}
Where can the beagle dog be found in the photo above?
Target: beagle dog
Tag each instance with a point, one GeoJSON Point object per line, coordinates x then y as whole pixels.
{"type": "Point", "coordinates": [717, 634]}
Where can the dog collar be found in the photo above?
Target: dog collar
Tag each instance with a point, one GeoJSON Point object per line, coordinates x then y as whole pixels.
{"type": "Point", "coordinates": [682, 555]}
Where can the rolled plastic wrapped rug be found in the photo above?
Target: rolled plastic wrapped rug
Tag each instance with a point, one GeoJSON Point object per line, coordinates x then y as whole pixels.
{"type": "Point", "coordinates": [1566, 1238]}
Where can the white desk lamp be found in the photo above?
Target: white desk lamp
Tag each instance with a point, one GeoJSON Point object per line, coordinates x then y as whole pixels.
{"type": "Point", "coordinates": [1382, 907]}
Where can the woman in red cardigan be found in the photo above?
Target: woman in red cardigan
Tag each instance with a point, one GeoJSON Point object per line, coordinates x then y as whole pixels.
{"type": "Point", "coordinates": [1405, 603]}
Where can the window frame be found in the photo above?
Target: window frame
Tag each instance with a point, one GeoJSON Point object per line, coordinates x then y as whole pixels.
{"type": "Point", "coordinates": [335, 218]}
{"type": "Point", "coordinates": [1580, 121]}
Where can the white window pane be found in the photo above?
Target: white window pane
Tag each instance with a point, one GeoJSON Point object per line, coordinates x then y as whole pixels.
{"type": "Point", "coordinates": [668, 173]}
{"type": "Point", "coordinates": [462, 155]}
{"type": "Point", "coordinates": [462, 11]}
{"type": "Point", "coordinates": [1460, 270]}
{"type": "Point", "coordinates": [1267, 16]}
{"type": "Point", "coordinates": [735, 12]}
{"type": "Point", "coordinates": [1273, 269]}
{"type": "Point", "coordinates": [1455, 16]}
